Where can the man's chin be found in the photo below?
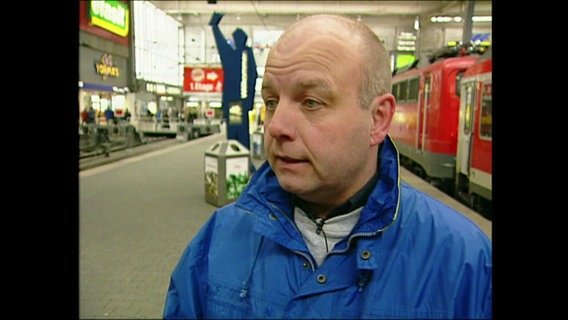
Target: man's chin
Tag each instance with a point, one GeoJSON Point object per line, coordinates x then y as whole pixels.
{"type": "Point", "coordinates": [296, 186]}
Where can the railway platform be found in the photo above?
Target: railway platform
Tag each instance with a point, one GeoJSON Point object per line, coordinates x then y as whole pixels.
{"type": "Point", "coordinates": [138, 209]}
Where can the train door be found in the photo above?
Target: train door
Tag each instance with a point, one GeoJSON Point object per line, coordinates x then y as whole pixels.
{"type": "Point", "coordinates": [465, 128]}
{"type": "Point", "coordinates": [422, 106]}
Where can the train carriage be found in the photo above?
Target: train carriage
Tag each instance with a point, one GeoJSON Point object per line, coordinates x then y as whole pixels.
{"type": "Point", "coordinates": [425, 123]}
{"type": "Point", "coordinates": [475, 136]}
{"type": "Point", "coordinates": [442, 126]}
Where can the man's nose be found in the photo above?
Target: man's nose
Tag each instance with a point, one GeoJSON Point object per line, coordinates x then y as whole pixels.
{"type": "Point", "coordinates": [281, 124]}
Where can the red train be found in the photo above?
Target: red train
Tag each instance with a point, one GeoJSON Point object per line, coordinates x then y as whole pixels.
{"type": "Point", "coordinates": [442, 125]}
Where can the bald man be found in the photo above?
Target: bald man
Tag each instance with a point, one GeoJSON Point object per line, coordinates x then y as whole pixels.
{"type": "Point", "coordinates": [325, 228]}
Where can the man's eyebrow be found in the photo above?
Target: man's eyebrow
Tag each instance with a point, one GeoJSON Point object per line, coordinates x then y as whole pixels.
{"type": "Point", "coordinates": [316, 84]}
{"type": "Point", "coordinates": [302, 85]}
{"type": "Point", "coordinates": [266, 85]}
{"type": "Point", "coordinates": [308, 84]}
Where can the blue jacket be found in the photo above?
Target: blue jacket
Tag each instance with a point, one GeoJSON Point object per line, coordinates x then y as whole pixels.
{"type": "Point", "coordinates": [409, 256]}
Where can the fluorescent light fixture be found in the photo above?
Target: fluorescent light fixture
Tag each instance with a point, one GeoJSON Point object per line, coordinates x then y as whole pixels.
{"type": "Point", "coordinates": [442, 19]}
{"type": "Point", "coordinates": [482, 18]}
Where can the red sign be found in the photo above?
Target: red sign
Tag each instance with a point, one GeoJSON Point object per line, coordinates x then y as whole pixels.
{"type": "Point", "coordinates": [203, 79]}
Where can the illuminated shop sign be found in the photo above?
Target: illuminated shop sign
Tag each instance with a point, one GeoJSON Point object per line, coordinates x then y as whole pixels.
{"type": "Point", "coordinates": [406, 42]}
{"type": "Point", "coordinates": [159, 88]}
{"type": "Point", "coordinates": [106, 67]}
{"type": "Point", "coordinates": [156, 88]}
{"type": "Point", "coordinates": [110, 15]}
{"type": "Point", "coordinates": [173, 90]}
{"type": "Point", "coordinates": [203, 79]}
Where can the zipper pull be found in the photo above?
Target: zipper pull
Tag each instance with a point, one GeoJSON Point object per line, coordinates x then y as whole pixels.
{"type": "Point", "coordinates": [319, 223]}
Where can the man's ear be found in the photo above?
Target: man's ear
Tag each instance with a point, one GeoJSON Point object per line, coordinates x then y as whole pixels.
{"type": "Point", "coordinates": [382, 110]}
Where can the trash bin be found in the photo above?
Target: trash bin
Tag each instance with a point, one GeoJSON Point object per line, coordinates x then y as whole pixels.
{"type": "Point", "coordinates": [226, 172]}
{"type": "Point", "coordinates": [258, 145]}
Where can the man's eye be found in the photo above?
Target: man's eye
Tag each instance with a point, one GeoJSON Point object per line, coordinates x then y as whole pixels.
{"type": "Point", "coordinates": [270, 105]}
{"type": "Point", "coordinates": [311, 104]}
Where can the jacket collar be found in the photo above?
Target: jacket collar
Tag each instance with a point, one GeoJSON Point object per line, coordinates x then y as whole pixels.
{"type": "Point", "coordinates": [265, 197]}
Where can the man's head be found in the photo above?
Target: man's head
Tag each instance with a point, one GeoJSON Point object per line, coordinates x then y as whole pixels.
{"type": "Point", "coordinates": [240, 38]}
{"type": "Point", "coordinates": [326, 89]}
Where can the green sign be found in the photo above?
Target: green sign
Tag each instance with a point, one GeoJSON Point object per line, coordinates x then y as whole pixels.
{"type": "Point", "coordinates": [110, 15]}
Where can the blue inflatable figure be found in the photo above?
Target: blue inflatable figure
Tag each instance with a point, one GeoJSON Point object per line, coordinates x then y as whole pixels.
{"type": "Point", "coordinates": [240, 74]}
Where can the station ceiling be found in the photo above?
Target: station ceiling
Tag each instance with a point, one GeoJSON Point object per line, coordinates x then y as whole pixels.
{"type": "Point", "coordinates": [282, 13]}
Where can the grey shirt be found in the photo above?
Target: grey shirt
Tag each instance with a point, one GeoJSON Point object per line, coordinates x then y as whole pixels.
{"type": "Point", "coordinates": [321, 236]}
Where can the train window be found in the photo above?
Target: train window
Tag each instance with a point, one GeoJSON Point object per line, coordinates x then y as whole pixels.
{"type": "Point", "coordinates": [413, 87]}
{"type": "Point", "coordinates": [427, 89]}
{"type": "Point", "coordinates": [395, 90]}
{"type": "Point", "coordinates": [403, 91]}
{"type": "Point", "coordinates": [486, 120]}
{"type": "Point", "coordinates": [469, 101]}
{"type": "Point", "coordinates": [459, 77]}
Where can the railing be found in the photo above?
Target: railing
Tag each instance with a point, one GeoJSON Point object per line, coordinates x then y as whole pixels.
{"type": "Point", "coordinates": [97, 139]}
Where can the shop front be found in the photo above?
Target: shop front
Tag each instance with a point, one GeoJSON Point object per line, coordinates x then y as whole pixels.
{"type": "Point", "coordinates": [158, 108]}
{"type": "Point", "coordinates": [102, 84]}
